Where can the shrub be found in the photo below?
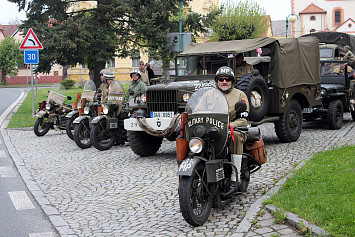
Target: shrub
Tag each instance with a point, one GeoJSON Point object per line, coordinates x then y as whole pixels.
{"type": "Point", "coordinates": [68, 83]}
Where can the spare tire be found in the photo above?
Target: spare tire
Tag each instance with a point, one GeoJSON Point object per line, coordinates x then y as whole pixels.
{"type": "Point", "coordinates": [258, 95]}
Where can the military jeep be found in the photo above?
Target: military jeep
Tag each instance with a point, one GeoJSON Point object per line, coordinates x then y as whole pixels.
{"type": "Point", "coordinates": [336, 76]}
{"type": "Point", "coordinates": [284, 85]}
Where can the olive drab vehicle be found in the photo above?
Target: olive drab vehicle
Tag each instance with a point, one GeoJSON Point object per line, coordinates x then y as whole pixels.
{"type": "Point", "coordinates": [283, 87]}
{"type": "Point", "coordinates": [338, 96]}
{"type": "Point", "coordinates": [107, 128]}
{"type": "Point", "coordinates": [88, 110]}
{"type": "Point", "coordinates": [204, 155]}
{"type": "Point", "coordinates": [52, 112]}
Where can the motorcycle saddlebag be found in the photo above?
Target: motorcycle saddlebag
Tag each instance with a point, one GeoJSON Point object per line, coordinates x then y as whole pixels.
{"type": "Point", "coordinates": [257, 150]}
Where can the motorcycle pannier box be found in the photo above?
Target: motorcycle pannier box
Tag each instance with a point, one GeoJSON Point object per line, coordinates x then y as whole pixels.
{"type": "Point", "coordinates": [257, 150]}
{"type": "Point", "coordinates": [215, 171]}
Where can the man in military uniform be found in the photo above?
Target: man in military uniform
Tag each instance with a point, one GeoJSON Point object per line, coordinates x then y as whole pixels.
{"type": "Point", "coordinates": [225, 79]}
{"type": "Point", "coordinates": [349, 56]}
{"type": "Point", "coordinates": [242, 66]}
{"type": "Point", "coordinates": [143, 73]}
{"type": "Point", "coordinates": [136, 87]}
{"type": "Point", "coordinates": [108, 78]}
{"type": "Point", "coordinates": [103, 84]}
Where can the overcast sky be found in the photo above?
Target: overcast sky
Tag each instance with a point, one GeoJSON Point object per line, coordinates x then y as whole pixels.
{"type": "Point", "coordinates": [278, 9]}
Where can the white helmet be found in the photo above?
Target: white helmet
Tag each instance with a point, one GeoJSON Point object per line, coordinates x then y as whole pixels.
{"type": "Point", "coordinates": [135, 71]}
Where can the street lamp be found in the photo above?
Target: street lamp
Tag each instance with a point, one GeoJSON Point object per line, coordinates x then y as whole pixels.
{"type": "Point", "coordinates": [292, 18]}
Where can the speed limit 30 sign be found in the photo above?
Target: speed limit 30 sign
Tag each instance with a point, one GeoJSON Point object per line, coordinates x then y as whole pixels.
{"type": "Point", "coordinates": [31, 56]}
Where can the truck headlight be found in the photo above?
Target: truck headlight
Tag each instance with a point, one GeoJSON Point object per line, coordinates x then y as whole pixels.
{"type": "Point", "coordinates": [143, 98]}
{"type": "Point", "coordinates": [196, 145]}
{"type": "Point", "coordinates": [185, 97]}
{"type": "Point", "coordinates": [86, 110]}
{"type": "Point", "coordinates": [105, 109]}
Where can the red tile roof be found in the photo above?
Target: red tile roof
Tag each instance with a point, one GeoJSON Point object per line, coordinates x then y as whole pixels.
{"type": "Point", "coordinates": [312, 9]}
{"type": "Point", "coordinates": [8, 30]}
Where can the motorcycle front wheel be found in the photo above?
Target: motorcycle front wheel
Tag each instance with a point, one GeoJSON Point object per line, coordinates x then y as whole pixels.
{"type": "Point", "coordinates": [82, 134]}
{"type": "Point", "coordinates": [41, 126]}
{"type": "Point", "coordinates": [195, 202]}
{"type": "Point", "coordinates": [69, 126]}
{"type": "Point", "coordinates": [102, 138]}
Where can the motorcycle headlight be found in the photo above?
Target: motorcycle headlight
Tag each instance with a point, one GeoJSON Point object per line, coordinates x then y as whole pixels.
{"type": "Point", "coordinates": [48, 107]}
{"type": "Point", "coordinates": [143, 98]}
{"type": "Point", "coordinates": [186, 97]}
{"type": "Point", "coordinates": [196, 145]}
{"type": "Point", "coordinates": [105, 109]}
{"type": "Point", "coordinates": [86, 110]}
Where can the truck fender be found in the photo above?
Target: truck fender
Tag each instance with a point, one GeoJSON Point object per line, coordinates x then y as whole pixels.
{"type": "Point", "coordinates": [81, 118]}
{"type": "Point", "coordinates": [97, 119]}
{"type": "Point", "coordinates": [187, 167]}
{"type": "Point", "coordinates": [72, 113]}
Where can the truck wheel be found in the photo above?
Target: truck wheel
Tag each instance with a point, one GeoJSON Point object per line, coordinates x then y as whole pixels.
{"type": "Point", "coordinates": [289, 127]}
{"type": "Point", "coordinates": [69, 126]}
{"type": "Point", "coordinates": [144, 144]}
{"type": "Point", "coordinates": [335, 114]}
{"type": "Point", "coordinates": [258, 95]}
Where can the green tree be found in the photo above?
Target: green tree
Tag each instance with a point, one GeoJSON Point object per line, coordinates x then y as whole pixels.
{"type": "Point", "coordinates": [10, 58]}
{"type": "Point", "coordinates": [238, 20]}
{"type": "Point", "coordinates": [95, 35]}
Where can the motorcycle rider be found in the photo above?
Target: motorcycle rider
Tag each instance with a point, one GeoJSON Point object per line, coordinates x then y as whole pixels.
{"type": "Point", "coordinates": [103, 85]}
{"type": "Point", "coordinates": [225, 79]}
{"type": "Point", "coordinates": [108, 77]}
{"type": "Point", "coordinates": [136, 87]}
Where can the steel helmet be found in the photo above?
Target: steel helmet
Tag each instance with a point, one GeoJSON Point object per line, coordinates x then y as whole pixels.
{"type": "Point", "coordinates": [103, 71]}
{"type": "Point", "coordinates": [135, 71]}
{"type": "Point", "coordinates": [225, 71]}
{"type": "Point", "coordinates": [108, 75]}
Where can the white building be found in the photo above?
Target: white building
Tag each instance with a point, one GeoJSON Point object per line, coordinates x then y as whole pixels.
{"type": "Point", "coordinates": [323, 15]}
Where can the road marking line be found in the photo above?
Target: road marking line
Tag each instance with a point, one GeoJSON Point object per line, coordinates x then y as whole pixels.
{"type": "Point", "coordinates": [21, 201]}
{"type": "Point", "coordinates": [43, 234]}
{"type": "Point", "coordinates": [2, 154]}
{"type": "Point", "coordinates": [7, 172]}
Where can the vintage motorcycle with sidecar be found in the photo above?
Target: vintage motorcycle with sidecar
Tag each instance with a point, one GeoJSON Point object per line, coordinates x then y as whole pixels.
{"type": "Point", "coordinates": [107, 128]}
{"type": "Point", "coordinates": [51, 112]}
{"type": "Point", "coordinates": [88, 110]}
{"type": "Point", "coordinates": [204, 155]}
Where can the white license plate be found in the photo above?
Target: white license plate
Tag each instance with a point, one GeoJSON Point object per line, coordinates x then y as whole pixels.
{"type": "Point", "coordinates": [169, 114]}
{"type": "Point", "coordinates": [307, 110]}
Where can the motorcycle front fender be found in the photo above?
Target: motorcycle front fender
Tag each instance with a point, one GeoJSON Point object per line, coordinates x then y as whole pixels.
{"type": "Point", "coordinates": [41, 113]}
{"type": "Point", "coordinates": [81, 118]}
{"type": "Point", "coordinates": [72, 113]}
{"type": "Point", "coordinates": [98, 118]}
{"type": "Point", "coordinates": [187, 167]}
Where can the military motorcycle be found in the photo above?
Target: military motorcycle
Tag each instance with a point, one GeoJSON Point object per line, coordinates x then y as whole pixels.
{"type": "Point", "coordinates": [204, 155]}
{"type": "Point", "coordinates": [107, 128]}
{"type": "Point", "coordinates": [88, 111]}
{"type": "Point", "coordinates": [51, 112]}
{"type": "Point", "coordinates": [71, 116]}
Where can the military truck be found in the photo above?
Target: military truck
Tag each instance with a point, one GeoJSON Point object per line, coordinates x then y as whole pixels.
{"type": "Point", "coordinates": [284, 85]}
{"type": "Point", "coordinates": [337, 95]}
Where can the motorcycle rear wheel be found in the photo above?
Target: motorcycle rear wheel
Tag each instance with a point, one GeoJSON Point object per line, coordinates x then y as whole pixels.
{"type": "Point", "coordinates": [102, 138]}
{"type": "Point", "coordinates": [82, 135]}
{"type": "Point", "coordinates": [41, 126]}
{"type": "Point", "coordinates": [195, 202]}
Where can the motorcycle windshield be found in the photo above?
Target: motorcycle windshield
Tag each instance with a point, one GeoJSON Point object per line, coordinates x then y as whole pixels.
{"type": "Point", "coordinates": [56, 94]}
{"type": "Point", "coordinates": [207, 100]}
{"type": "Point", "coordinates": [115, 93]}
{"type": "Point", "coordinates": [208, 108]}
{"type": "Point", "coordinates": [89, 91]}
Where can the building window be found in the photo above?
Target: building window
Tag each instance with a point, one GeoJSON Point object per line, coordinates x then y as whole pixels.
{"type": "Point", "coordinates": [111, 63]}
{"type": "Point", "coordinates": [349, 25]}
{"type": "Point", "coordinates": [135, 59]}
{"type": "Point", "coordinates": [312, 18]}
{"type": "Point", "coordinates": [337, 17]}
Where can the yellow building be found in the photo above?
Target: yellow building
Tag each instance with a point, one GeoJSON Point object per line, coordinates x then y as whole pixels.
{"type": "Point", "coordinates": [121, 67]}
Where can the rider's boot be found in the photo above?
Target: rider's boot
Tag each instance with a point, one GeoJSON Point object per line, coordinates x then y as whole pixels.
{"type": "Point", "coordinates": [237, 161]}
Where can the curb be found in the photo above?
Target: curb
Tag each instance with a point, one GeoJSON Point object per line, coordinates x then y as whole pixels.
{"type": "Point", "coordinates": [297, 222]}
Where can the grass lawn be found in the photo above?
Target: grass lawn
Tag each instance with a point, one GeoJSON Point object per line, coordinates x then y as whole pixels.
{"type": "Point", "coordinates": [323, 191]}
{"type": "Point", "coordinates": [23, 117]}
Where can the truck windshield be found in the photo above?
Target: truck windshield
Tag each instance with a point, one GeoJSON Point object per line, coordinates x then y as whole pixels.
{"type": "Point", "coordinates": [202, 64]}
{"type": "Point", "coordinates": [326, 53]}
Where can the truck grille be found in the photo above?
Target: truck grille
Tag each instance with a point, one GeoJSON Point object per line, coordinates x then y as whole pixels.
{"type": "Point", "coordinates": [162, 101]}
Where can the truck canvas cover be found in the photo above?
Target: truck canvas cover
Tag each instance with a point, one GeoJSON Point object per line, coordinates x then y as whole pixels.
{"type": "Point", "coordinates": [334, 38]}
{"type": "Point", "coordinates": [293, 61]}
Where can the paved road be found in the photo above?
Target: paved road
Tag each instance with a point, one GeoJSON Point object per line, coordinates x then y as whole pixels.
{"type": "Point", "coordinates": [20, 215]}
{"type": "Point", "coordinates": [117, 193]}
